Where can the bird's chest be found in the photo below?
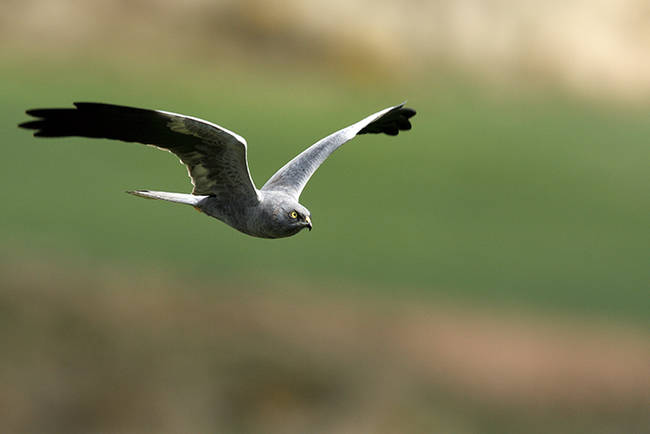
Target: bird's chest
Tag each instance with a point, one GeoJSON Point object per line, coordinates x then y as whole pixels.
{"type": "Point", "coordinates": [245, 219]}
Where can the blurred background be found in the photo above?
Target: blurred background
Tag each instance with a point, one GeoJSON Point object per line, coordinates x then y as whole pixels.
{"type": "Point", "coordinates": [486, 272]}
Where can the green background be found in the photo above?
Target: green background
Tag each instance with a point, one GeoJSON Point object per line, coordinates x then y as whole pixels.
{"type": "Point", "coordinates": [532, 198]}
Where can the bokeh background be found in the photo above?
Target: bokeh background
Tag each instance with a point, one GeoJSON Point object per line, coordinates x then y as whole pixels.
{"type": "Point", "coordinates": [486, 272]}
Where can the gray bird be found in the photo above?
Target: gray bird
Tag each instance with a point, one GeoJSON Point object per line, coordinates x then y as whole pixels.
{"type": "Point", "coordinates": [216, 160]}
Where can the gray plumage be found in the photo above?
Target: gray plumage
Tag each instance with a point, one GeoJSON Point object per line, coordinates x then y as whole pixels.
{"type": "Point", "coordinates": [216, 160]}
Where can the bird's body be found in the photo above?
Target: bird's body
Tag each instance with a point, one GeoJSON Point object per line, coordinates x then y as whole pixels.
{"type": "Point", "coordinates": [216, 159]}
{"type": "Point", "coordinates": [266, 219]}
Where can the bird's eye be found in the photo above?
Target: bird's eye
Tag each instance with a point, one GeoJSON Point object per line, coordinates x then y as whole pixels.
{"type": "Point", "coordinates": [293, 214]}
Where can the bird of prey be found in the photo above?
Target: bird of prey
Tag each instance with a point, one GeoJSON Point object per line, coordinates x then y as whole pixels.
{"type": "Point", "coordinates": [216, 160]}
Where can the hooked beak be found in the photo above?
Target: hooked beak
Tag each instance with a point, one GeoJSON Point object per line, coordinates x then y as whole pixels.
{"type": "Point", "coordinates": [308, 221]}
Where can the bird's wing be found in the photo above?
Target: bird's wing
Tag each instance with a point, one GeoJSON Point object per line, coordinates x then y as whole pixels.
{"type": "Point", "coordinates": [215, 157]}
{"type": "Point", "coordinates": [293, 176]}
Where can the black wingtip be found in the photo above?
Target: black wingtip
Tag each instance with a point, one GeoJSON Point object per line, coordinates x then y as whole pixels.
{"type": "Point", "coordinates": [82, 104]}
{"type": "Point", "coordinates": [392, 122]}
{"type": "Point", "coordinates": [408, 112]}
{"type": "Point", "coordinates": [41, 112]}
{"type": "Point", "coordinates": [34, 112]}
{"type": "Point", "coordinates": [29, 125]}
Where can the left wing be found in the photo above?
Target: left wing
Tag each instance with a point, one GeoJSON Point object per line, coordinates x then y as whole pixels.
{"type": "Point", "coordinates": [215, 157]}
{"type": "Point", "coordinates": [293, 176]}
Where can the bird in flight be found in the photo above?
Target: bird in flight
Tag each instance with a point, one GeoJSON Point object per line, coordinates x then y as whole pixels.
{"type": "Point", "coordinates": [216, 160]}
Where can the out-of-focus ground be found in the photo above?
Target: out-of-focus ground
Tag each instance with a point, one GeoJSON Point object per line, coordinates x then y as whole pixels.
{"type": "Point", "coordinates": [486, 272]}
{"type": "Point", "coordinates": [118, 351]}
{"type": "Point", "coordinates": [595, 48]}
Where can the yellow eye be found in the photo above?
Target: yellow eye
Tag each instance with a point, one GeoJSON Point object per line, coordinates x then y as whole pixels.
{"type": "Point", "coordinates": [293, 214]}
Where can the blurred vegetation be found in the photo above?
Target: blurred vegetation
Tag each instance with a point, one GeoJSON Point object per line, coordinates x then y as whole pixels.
{"type": "Point", "coordinates": [538, 200]}
{"type": "Point", "coordinates": [125, 351]}
{"type": "Point", "coordinates": [486, 272]}
{"type": "Point", "coordinates": [592, 48]}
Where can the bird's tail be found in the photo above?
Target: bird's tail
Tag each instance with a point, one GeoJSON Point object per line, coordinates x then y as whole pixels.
{"type": "Point", "coordinates": [188, 199]}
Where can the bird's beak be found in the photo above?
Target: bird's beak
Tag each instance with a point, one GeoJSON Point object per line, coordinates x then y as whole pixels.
{"type": "Point", "coordinates": [308, 221]}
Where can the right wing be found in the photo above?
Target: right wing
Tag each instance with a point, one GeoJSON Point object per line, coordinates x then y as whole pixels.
{"type": "Point", "coordinates": [293, 177]}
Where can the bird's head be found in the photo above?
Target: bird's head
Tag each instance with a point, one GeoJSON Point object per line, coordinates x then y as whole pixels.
{"type": "Point", "coordinates": [296, 217]}
{"type": "Point", "coordinates": [281, 215]}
